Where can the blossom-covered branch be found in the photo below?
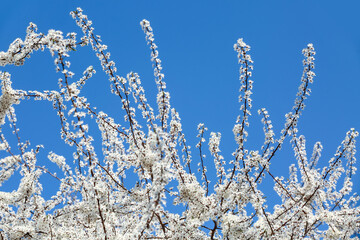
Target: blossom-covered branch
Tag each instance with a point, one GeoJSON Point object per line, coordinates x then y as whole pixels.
{"type": "Point", "coordinates": [138, 183]}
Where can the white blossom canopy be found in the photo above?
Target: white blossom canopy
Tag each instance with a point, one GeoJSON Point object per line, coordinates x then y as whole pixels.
{"type": "Point", "coordinates": [96, 198]}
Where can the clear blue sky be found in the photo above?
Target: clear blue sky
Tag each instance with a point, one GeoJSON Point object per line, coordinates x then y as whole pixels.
{"type": "Point", "coordinates": [195, 40]}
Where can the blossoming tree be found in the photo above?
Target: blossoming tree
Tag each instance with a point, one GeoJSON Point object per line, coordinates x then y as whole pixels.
{"type": "Point", "coordinates": [97, 199]}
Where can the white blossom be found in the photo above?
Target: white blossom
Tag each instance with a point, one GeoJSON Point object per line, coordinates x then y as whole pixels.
{"type": "Point", "coordinates": [96, 197]}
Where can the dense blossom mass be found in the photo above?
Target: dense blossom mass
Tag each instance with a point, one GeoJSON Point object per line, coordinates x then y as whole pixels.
{"type": "Point", "coordinates": [97, 198]}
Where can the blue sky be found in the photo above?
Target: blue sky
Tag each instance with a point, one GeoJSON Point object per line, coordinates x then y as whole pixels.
{"type": "Point", "coordinates": [195, 40]}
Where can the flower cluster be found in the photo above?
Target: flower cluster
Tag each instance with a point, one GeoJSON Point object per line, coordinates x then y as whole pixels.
{"type": "Point", "coordinates": [97, 196]}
